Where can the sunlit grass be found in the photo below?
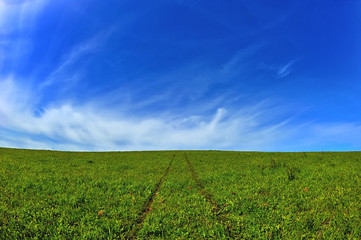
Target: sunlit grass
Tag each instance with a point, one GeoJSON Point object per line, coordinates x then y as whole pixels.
{"type": "Point", "coordinates": [250, 195]}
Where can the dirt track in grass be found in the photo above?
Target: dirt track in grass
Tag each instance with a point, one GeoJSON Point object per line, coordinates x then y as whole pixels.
{"type": "Point", "coordinates": [147, 205]}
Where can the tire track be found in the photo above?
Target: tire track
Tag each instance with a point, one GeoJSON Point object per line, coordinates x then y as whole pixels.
{"type": "Point", "coordinates": [216, 208]}
{"type": "Point", "coordinates": [143, 214]}
{"type": "Point", "coordinates": [205, 193]}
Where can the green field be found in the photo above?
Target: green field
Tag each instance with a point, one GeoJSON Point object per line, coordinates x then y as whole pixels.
{"type": "Point", "coordinates": [179, 195]}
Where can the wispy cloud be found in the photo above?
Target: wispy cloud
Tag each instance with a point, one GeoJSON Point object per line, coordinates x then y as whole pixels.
{"type": "Point", "coordinates": [67, 126]}
{"type": "Point", "coordinates": [279, 70]}
{"type": "Point", "coordinates": [16, 20]}
{"type": "Point", "coordinates": [7, 14]}
{"type": "Point", "coordinates": [286, 69]}
{"type": "Point", "coordinates": [89, 128]}
{"type": "Point", "coordinates": [240, 60]}
{"type": "Point", "coordinates": [15, 15]}
{"type": "Point", "coordinates": [74, 56]}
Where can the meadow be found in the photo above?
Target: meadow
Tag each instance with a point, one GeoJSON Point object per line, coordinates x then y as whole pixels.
{"type": "Point", "coordinates": [179, 195]}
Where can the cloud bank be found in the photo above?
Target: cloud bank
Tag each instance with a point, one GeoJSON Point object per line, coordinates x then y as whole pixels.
{"type": "Point", "coordinates": [89, 128]}
{"type": "Point", "coordinates": [70, 127]}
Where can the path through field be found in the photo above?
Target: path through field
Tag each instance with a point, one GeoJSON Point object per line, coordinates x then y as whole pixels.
{"type": "Point", "coordinates": [148, 204]}
{"type": "Point", "coordinates": [183, 206]}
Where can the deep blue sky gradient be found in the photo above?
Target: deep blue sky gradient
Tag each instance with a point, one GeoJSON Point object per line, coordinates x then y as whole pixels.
{"type": "Point", "coordinates": [269, 75]}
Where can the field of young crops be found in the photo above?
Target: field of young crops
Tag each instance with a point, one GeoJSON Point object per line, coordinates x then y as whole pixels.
{"type": "Point", "coordinates": [179, 195]}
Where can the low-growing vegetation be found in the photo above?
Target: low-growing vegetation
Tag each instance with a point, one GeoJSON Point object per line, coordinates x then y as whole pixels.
{"type": "Point", "coordinates": [179, 195]}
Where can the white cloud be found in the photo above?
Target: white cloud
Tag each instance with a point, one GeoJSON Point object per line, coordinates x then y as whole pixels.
{"type": "Point", "coordinates": [286, 69]}
{"type": "Point", "coordinates": [74, 56]}
{"type": "Point", "coordinates": [16, 20]}
{"type": "Point", "coordinates": [91, 128]}
{"type": "Point", "coordinates": [70, 127]}
{"type": "Point", "coordinates": [240, 60]}
{"type": "Point", "coordinates": [18, 14]}
{"type": "Point", "coordinates": [13, 100]}
{"type": "Point", "coordinates": [7, 15]}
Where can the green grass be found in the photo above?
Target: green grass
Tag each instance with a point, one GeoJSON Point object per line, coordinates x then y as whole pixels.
{"type": "Point", "coordinates": [146, 195]}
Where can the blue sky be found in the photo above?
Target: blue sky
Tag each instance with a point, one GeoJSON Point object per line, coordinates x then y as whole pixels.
{"type": "Point", "coordinates": [178, 74]}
